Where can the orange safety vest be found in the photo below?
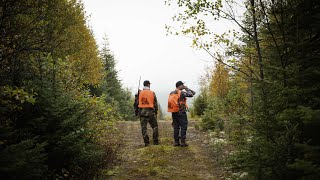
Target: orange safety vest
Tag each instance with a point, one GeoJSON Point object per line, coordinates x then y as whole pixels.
{"type": "Point", "coordinates": [146, 99]}
{"type": "Point", "coordinates": [175, 102]}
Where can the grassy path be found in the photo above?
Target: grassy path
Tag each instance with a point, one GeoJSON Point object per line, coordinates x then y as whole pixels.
{"type": "Point", "coordinates": [165, 161]}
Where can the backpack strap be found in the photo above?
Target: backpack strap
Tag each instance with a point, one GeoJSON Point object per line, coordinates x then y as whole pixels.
{"type": "Point", "coordinates": [179, 96]}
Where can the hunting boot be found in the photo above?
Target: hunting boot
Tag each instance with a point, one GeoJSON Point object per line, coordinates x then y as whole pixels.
{"type": "Point", "coordinates": [156, 142]}
{"type": "Point", "coordinates": [176, 142]}
{"type": "Point", "coordinates": [183, 143]}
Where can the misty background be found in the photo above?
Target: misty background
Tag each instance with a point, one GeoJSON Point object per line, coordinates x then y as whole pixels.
{"type": "Point", "coordinates": [137, 37]}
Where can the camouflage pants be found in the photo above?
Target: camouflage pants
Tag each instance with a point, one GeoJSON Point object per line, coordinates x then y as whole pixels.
{"type": "Point", "coordinates": [144, 127]}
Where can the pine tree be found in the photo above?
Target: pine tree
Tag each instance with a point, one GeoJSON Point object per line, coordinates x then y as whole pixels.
{"type": "Point", "coordinates": [271, 101]}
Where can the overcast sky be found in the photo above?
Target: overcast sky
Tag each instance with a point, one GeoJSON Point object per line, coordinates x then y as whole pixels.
{"type": "Point", "coordinates": [137, 36]}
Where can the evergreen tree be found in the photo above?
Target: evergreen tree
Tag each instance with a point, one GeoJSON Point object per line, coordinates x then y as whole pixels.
{"type": "Point", "coordinates": [271, 104]}
{"type": "Point", "coordinates": [50, 126]}
{"type": "Point", "coordinates": [111, 85]}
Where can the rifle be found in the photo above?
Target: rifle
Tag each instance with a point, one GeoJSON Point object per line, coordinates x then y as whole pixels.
{"type": "Point", "coordinates": [136, 101]}
{"type": "Point", "coordinates": [139, 86]}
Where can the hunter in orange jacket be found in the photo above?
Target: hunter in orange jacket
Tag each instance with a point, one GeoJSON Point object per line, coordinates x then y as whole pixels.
{"type": "Point", "coordinates": [177, 105]}
{"type": "Point", "coordinates": [148, 108]}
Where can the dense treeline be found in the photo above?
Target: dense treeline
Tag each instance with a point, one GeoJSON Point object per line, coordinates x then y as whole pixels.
{"type": "Point", "coordinates": [59, 95]}
{"type": "Point", "coordinates": [263, 90]}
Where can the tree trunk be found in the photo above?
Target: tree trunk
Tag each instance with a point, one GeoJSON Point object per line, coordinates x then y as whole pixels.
{"type": "Point", "coordinates": [255, 38]}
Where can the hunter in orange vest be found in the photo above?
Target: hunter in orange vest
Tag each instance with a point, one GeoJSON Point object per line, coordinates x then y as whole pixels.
{"type": "Point", "coordinates": [148, 109]}
{"type": "Point", "coordinates": [146, 99]}
{"type": "Point", "coordinates": [177, 105]}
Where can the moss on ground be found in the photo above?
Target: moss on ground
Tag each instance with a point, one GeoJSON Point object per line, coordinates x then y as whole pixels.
{"type": "Point", "coordinates": [163, 161]}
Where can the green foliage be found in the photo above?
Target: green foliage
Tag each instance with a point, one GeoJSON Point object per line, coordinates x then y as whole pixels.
{"type": "Point", "coordinates": [200, 104]}
{"type": "Point", "coordinates": [51, 127]}
{"type": "Point", "coordinates": [213, 116]}
{"type": "Point", "coordinates": [111, 86]}
{"type": "Point", "coordinates": [270, 106]}
{"type": "Point", "coordinates": [24, 160]}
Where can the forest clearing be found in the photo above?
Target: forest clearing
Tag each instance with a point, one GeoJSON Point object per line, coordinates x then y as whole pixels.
{"type": "Point", "coordinates": [231, 89]}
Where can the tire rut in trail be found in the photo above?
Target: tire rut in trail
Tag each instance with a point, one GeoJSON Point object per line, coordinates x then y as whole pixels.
{"type": "Point", "coordinates": [164, 161]}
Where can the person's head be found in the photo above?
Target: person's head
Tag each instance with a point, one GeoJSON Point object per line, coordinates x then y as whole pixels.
{"type": "Point", "coordinates": [180, 85]}
{"type": "Point", "coordinates": [146, 83]}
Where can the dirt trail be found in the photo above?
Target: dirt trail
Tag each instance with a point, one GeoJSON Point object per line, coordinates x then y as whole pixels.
{"type": "Point", "coordinates": [165, 161]}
